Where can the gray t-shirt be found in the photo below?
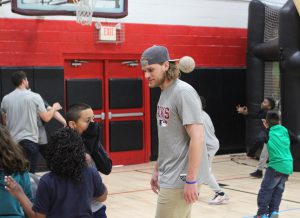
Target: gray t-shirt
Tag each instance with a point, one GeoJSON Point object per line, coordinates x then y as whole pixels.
{"type": "Point", "coordinates": [212, 142]}
{"type": "Point", "coordinates": [43, 140]}
{"type": "Point", "coordinates": [179, 105]}
{"type": "Point", "coordinates": [21, 108]}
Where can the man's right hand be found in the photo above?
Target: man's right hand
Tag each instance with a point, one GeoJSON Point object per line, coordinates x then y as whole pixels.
{"type": "Point", "coordinates": [56, 106]}
{"type": "Point", "coordinates": [242, 109]}
{"type": "Point", "coordinates": [154, 182]}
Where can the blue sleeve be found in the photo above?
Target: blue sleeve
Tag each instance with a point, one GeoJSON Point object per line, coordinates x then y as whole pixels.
{"type": "Point", "coordinates": [42, 199]}
{"type": "Point", "coordinates": [99, 188]}
{"type": "Point", "coordinates": [26, 185]}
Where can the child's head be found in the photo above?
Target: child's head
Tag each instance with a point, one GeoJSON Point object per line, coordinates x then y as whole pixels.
{"type": "Point", "coordinates": [272, 118]}
{"type": "Point", "coordinates": [65, 154]}
{"type": "Point", "coordinates": [268, 104]}
{"type": "Point", "coordinates": [12, 158]}
{"type": "Point", "coordinates": [79, 117]}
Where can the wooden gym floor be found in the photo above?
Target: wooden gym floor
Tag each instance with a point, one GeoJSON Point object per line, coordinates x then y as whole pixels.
{"type": "Point", "coordinates": [130, 195]}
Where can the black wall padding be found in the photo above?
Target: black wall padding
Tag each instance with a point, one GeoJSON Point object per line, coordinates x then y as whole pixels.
{"type": "Point", "coordinates": [154, 96]}
{"type": "Point", "coordinates": [255, 68]}
{"type": "Point", "coordinates": [6, 83]}
{"type": "Point", "coordinates": [125, 93]}
{"type": "Point", "coordinates": [49, 83]}
{"type": "Point", "coordinates": [256, 24]}
{"type": "Point", "coordinates": [223, 90]}
{"type": "Point", "coordinates": [126, 135]}
{"type": "Point", "coordinates": [289, 41]}
{"type": "Point", "coordinates": [88, 91]}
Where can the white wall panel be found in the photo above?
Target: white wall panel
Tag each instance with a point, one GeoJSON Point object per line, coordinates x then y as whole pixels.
{"type": "Point", "coordinates": [214, 13]}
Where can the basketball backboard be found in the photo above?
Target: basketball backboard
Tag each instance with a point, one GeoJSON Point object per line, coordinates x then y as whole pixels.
{"type": "Point", "coordinates": [103, 8]}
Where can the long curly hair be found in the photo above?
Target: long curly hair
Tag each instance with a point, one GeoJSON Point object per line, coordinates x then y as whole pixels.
{"type": "Point", "coordinates": [12, 158]}
{"type": "Point", "coordinates": [173, 72]}
{"type": "Point", "coordinates": [65, 154]}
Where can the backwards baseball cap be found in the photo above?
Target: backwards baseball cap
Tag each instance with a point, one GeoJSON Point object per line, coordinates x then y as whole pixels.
{"type": "Point", "coordinates": [155, 55]}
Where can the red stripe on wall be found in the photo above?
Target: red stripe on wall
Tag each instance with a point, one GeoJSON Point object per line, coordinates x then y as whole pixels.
{"type": "Point", "coordinates": [32, 42]}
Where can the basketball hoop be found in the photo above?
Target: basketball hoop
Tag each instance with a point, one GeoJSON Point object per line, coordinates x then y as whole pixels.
{"type": "Point", "coordinates": [84, 11]}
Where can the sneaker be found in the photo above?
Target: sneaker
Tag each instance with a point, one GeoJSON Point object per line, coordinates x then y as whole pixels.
{"type": "Point", "coordinates": [274, 214]}
{"type": "Point", "coordinates": [261, 216]}
{"type": "Point", "coordinates": [257, 174]}
{"type": "Point", "coordinates": [219, 198]}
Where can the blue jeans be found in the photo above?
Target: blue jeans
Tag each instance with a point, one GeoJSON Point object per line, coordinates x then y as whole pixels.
{"type": "Point", "coordinates": [270, 193]}
{"type": "Point", "coordinates": [31, 152]}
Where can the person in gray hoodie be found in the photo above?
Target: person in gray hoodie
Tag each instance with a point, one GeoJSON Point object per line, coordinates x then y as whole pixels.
{"type": "Point", "coordinates": [212, 145]}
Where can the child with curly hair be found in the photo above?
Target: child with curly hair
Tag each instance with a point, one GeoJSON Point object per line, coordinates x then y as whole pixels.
{"type": "Point", "coordinates": [69, 187]}
{"type": "Point", "coordinates": [12, 163]}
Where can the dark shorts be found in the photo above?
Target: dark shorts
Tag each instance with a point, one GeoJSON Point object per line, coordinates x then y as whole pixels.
{"type": "Point", "coordinates": [100, 213]}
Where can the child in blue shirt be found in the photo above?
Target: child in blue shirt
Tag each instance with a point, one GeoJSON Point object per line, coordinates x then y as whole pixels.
{"type": "Point", "coordinates": [14, 164]}
{"type": "Point", "coordinates": [69, 187]}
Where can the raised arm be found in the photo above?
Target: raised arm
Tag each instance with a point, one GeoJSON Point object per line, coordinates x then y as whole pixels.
{"type": "Point", "coordinates": [241, 110]}
{"type": "Point", "coordinates": [58, 117]}
{"type": "Point", "coordinates": [49, 114]}
{"type": "Point", "coordinates": [16, 190]}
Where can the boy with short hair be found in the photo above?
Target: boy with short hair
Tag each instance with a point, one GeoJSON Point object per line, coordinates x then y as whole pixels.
{"type": "Point", "coordinates": [280, 166]}
{"type": "Point", "coordinates": [266, 105]}
{"type": "Point", "coordinates": [80, 117]}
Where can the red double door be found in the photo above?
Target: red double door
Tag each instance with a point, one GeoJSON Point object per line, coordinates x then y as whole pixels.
{"type": "Point", "coordinates": [119, 95]}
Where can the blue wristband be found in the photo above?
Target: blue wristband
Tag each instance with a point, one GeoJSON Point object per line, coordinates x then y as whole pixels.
{"type": "Point", "coordinates": [191, 182]}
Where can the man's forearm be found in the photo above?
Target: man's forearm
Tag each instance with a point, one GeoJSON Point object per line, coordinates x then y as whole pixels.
{"type": "Point", "coordinates": [195, 154]}
{"type": "Point", "coordinates": [60, 118]}
{"type": "Point", "coordinates": [48, 115]}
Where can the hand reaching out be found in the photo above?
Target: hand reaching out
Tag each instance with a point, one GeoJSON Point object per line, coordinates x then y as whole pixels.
{"type": "Point", "coordinates": [13, 187]}
{"type": "Point", "coordinates": [265, 123]}
{"type": "Point", "coordinates": [242, 109]}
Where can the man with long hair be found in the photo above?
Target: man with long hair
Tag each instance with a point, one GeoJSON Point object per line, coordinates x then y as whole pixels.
{"type": "Point", "coordinates": [180, 134]}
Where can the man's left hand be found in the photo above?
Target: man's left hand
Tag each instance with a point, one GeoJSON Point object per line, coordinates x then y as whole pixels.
{"type": "Point", "coordinates": [191, 194]}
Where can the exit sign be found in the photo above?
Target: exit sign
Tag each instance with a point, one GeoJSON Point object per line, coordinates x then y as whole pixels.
{"type": "Point", "coordinates": [108, 33]}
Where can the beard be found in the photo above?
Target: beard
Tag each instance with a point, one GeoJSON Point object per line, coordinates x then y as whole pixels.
{"type": "Point", "coordinates": [159, 81]}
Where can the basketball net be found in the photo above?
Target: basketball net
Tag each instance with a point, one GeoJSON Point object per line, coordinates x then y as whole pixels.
{"type": "Point", "coordinates": [84, 11]}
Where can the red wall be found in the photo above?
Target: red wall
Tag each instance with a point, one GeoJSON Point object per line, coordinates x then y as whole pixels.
{"type": "Point", "coordinates": [31, 42]}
